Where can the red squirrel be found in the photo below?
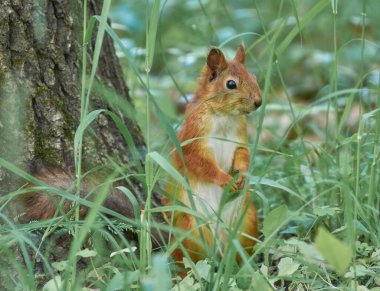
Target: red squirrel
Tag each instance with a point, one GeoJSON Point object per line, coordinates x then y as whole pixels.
{"type": "Point", "coordinates": [216, 125]}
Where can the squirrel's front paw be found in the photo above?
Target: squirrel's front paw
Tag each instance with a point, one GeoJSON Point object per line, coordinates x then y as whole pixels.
{"type": "Point", "coordinates": [239, 178]}
{"type": "Point", "coordinates": [238, 184]}
{"type": "Point", "coordinates": [241, 181]}
{"type": "Point", "coordinates": [223, 179]}
{"type": "Point", "coordinates": [234, 184]}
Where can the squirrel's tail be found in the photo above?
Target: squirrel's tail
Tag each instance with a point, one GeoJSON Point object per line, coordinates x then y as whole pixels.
{"type": "Point", "coordinates": [42, 204]}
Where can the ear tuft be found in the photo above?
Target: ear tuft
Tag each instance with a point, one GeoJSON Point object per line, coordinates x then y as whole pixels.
{"type": "Point", "coordinates": [240, 53]}
{"type": "Point", "coordinates": [216, 60]}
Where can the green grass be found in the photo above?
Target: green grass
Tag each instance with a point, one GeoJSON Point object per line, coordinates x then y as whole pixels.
{"type": "Point", "coordinates": [315, 143]}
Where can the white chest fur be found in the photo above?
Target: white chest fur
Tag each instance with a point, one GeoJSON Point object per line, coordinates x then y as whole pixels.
{"type": "Point", "coordinates": [223, 139]}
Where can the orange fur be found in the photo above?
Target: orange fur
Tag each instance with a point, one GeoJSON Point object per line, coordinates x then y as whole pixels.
{"type": "Point", "coordinates": [216, 110]}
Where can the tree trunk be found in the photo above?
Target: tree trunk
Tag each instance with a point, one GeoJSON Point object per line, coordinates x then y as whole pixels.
{"type": "Point", "coordinates": [40, 86]}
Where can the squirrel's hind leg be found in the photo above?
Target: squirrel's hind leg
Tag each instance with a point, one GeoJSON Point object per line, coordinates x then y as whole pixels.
{"type": "Point", "coordinates": [194, 243]}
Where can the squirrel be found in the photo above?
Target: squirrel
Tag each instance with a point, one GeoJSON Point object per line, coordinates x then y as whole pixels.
{"type": "Point", "coordinates": [215, 127]}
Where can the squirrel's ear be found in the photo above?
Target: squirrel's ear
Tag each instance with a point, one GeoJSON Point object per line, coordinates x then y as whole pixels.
{"type": "Point", "coordinates": [216, 60]}
{"type": "Point", "coordinates": [240, 54]}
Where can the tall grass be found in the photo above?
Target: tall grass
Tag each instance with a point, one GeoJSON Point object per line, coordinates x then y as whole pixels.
{"type": "Point", "coordinates": [145, 237]}
{"type": "Point", "coordinates": [317, 197]}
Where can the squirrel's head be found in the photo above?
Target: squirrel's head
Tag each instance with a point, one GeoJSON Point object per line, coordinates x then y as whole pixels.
{"type": "Point", "coordinates": [227, 86]}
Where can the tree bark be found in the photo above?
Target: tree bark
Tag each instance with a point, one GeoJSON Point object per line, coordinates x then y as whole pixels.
{"type": "Point", "coordinates": [40, 101]}
{"type": "Point", "coordinates": [40, 61]}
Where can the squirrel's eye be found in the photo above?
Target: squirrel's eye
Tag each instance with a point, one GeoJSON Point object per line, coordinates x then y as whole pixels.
{"type": "Point", "coordinates": [231, 84]}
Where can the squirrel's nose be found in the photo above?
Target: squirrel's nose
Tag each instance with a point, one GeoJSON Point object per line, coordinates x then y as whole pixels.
{"type": "Point", "coordinates": [258, 103]}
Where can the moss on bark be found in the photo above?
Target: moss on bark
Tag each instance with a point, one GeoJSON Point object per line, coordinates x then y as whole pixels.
{"type": "Point", "coordinates": [40, 60]}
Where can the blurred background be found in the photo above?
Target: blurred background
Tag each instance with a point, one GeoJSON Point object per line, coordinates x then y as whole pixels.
{"type": "Point", "coordinates": [318, 47]}
{"type": "Point", "coordinates": [317, 63]}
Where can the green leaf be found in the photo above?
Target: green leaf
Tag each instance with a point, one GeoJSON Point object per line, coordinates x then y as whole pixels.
{"type": "Point", "coordinates": [167, 167]}
{"type": "Point", "coordinates": [308, 251]}
{"type": "Point", "coordinates": [335, 252]}
{"type": "Point", "coordinates": [274, 220]}
{"type": "Point", "coordinates": [287, 266]}
{"type": "Point", "coordinates": [178, 208]}
{"type": "Point", "coordinates": [86, 253]}
{"type": "Point", "coordinates": [117, 282]}
{"type": "Point", "coordinates": [186, 263]}
{"type": "Point", "coordinates": [268, 182]}
{"type": "Point", "coordinates": [59, 266]}
{"type": "Point", "coordinates": [375, 257]}
{"type": "Point", "coordinates": [151, 34]}
{"type": "Point", "coordinates": [87, 120]}
{"type": "Point", "coordinates": [259, 282]}
{"type": "Point", "coordinates": [53, 284]}
{"type": "Point", "coordinates": [203, 269]}
{"type": "Point", "coordinates": [325, 211]}
{"type": "Point", "coordinates": [358, 271]}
